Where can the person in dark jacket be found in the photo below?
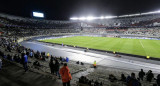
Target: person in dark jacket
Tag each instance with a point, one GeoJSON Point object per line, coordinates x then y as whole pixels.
{"type": "Point", "coordinates": [150, 76]}
{"type": "Point", "coordinates": [141, 74]}
{"type": "Point", "coordinates": [158, 80]}
{"type": "Point", "coordinates": [132, 81]}
{"type": "Point", "coordinates": [123, 78]}
{"type": "Point", "coordinates": [9, 48]}
{"type": "Point", "coordinates": [57, 66]}
{"type": "Point", "coordinates": [51, 65]}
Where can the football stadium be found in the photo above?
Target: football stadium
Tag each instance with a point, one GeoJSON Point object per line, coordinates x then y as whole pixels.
{"type": "Point", "coordinates": [46, 49]}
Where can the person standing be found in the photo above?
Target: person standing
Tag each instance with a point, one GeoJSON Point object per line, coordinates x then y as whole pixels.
{"type": "Point", "coordinates": [132, 81]}
{"type": "Point", "coordinates": [141, 74]}
{"type": "Point", "coordinates": [57, 65]}
{"type": "Point", "coordinates": [48, 55]}
{"type": "Point", "coordinates": [65, 75]}
{"type": "Point", "coordinates": [51, 65]}
{"type": "Point", "coordinates": [94, 64]}
{"type": "Point", "coordinates": [158, 80]}
{"type": "Point", "coordinates": [150, 76]}
{"type": "Point", "coordinates": [31, 54]}
{"type": "Point", "coordinates": [25, 62]}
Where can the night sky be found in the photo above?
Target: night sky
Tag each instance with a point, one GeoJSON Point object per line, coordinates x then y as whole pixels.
{"type": "Point", "coordinates": [64, 9]}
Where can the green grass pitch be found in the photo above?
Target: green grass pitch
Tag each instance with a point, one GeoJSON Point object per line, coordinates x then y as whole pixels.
{"type": "Point", "coordinates": [142, 47]}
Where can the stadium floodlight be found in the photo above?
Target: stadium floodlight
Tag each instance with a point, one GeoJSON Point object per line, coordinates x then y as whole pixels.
{"type": "Point", "coordinates": [134, 14]}
{"type": "Point", "coordinates": [74, 18]}
{"type": "Point", "coordinates": [154, 12]}
{"type": "Point", "coordinates": [109, 17]}
{"type": "Point", "coordinates": [124, 16]}
{"type": "Point", "coordinates": [90, 18]}
{"type": "Point", "coordinates": [82, 18]}
{"type": "Point", "coordinates": [101, 17]}
{"type": "Point", "coordinates": [38, 14]}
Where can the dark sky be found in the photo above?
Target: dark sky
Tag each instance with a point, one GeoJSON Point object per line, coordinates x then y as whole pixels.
{"type": "Point", "coordinates": [64, 9]}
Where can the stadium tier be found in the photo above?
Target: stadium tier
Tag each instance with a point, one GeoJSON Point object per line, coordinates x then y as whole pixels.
{"type": "Point", "coordinates": [144, 25]}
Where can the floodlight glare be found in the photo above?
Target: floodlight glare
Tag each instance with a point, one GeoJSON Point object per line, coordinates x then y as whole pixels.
{"type": "Point", "coordinates": [90, 18]}
{"type": "Point", "coordinates": [134, 14]}
{"type": "Point", "coordinates": [38, 14]}
{"type": "Point", "coordinates": [150, 12]}
{"type": "Point", "coordinates": [124, 16]}
{"type": "Point", "coordinates": [101, 17]}
{"type": "Point", "coordinates": [108, 17]}
{"type": "Point", "coordinates": [82, 18]}
{"type": "Point", "coordinates": [74, 18]}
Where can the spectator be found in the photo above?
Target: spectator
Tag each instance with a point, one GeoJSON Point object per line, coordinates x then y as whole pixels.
{"type": "Point", "coordinates": [9, 48]}
{"type": "Point", "coordinates": [67, 59]}
{"type": "Point", "coordinates": [16, 59]}
{"type": "Point", "coordinates": [57, 65]}
{"type": "Point", "coordinates": [132, 81]}
{"type": "Point", "coordinates": [94, 64]}
{"type": "Point", "coordinates": [158, 80]}
{"type": "Point", "coordinates": [139, 81]}
{"type": "Point", "coordinates": [150, 76]}
{"type": "Point", "coordinates": [36, 63]}
{"type": "Point", "coordinates": [22, 58]}
{"type": "Point", "coordinates": [123, 78]}
{"type": "Point", "coordinates": [9, 57]}
{"type": "Point", "coordinates": [65, 74]}
{"type": "Point", "coordinates": [51, 65]}
{"type": "Point", "coordinates": [112, 78]}
{"type": "Point", "coordinates": [141, 74]}
{"type": "Point", "coordinates": [82, 63]}
{"type": "Point", "coordinates": [25, 61]}
{"type": "Point", "coordinates": [48, 55]}
{"type": "Point", "coordinates": [77, 62]}
{"type": "Point", "coordinates": [52, 58]}
{"type": "Point", "coordinates": [31, 54]}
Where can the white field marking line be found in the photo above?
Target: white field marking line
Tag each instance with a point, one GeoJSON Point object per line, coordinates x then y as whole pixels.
{"type": "Point", "coordinates": [137, 63]}
{"type": "Point", "coordinates": [141, 43]}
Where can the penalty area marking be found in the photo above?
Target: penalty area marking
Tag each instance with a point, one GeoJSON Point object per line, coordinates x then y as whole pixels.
{"type": "Point", "coordinates": [141, 43]}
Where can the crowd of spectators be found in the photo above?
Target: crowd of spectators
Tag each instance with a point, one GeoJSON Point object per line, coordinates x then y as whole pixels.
{"type": "Point", "coordinates": [140, 25]}
{"type": "Point", "coordinates": [36, 24]}
{"type": "Point", "coordinates": [134, 79]}
{"type": "Point", "coordinates": [143, 31]}
{"type": "Point", "coordinates": [130, 80]}
{"type": "Point", "coordinates": [22, 54]}
{"type": "Point", "coordinates": [134, 21]}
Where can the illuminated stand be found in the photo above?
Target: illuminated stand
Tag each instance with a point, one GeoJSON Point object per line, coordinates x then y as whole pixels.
{"type": "Point", "coordinates": [110, 17]}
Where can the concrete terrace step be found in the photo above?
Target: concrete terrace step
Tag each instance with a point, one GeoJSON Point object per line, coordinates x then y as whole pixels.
{"type": "Point", "coordinates": [12, 75]}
